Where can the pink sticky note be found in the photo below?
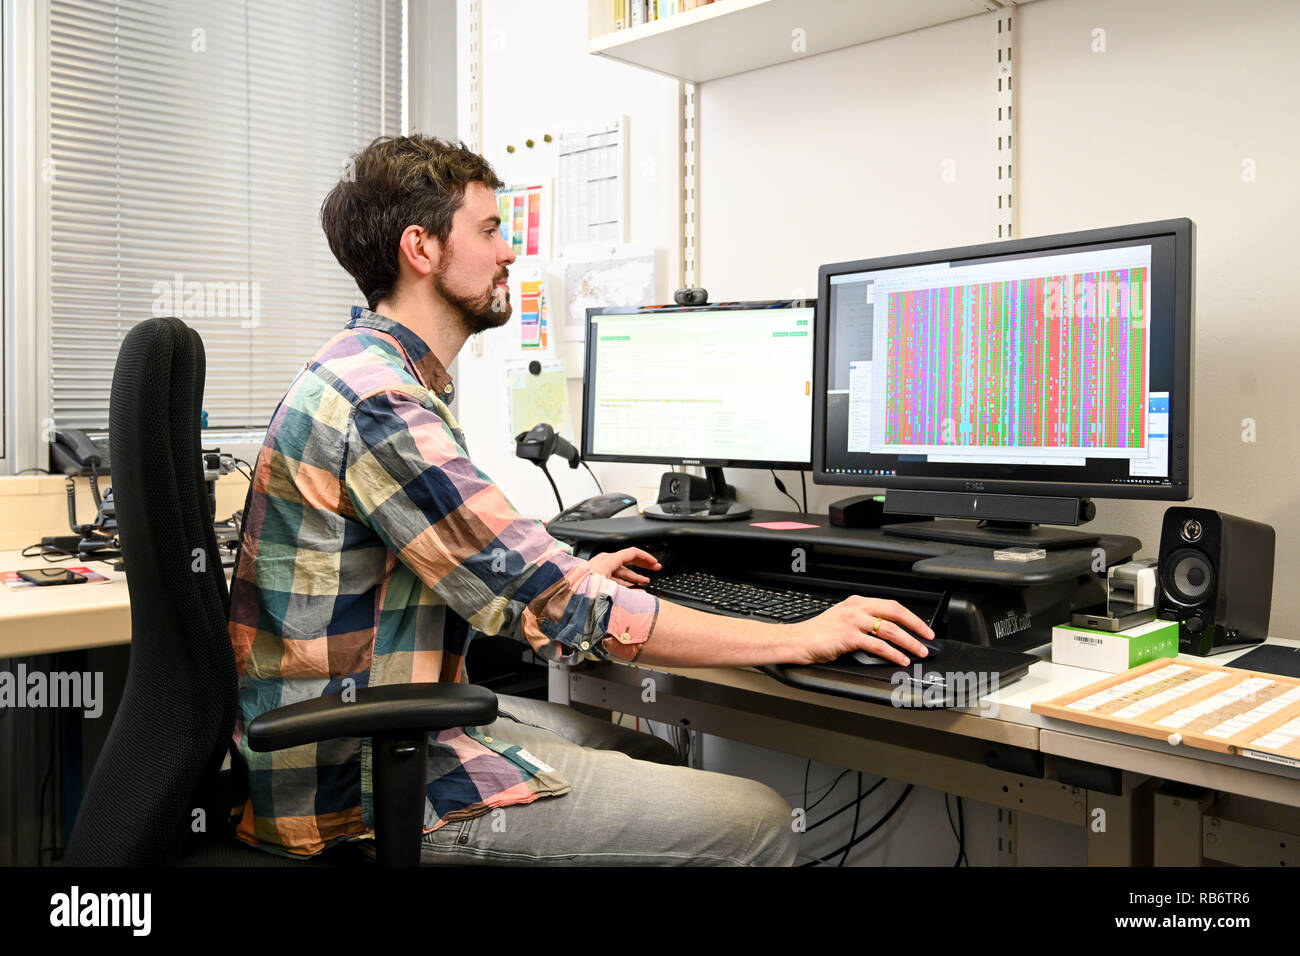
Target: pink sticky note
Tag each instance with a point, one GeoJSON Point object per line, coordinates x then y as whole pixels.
{"type": "Point", "coordinates": [782, 525]}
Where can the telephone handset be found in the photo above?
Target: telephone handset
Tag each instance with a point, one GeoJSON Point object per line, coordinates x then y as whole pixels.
{"type": "Point", "coordinates": [73, 453]}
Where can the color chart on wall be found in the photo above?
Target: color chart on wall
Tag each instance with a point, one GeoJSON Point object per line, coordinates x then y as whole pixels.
{"type": "Point", "coordinates": [534, 320]}
{"type": "Point", "coordinates": [1050, 362]}
{"type": "Point", "coordinates": [520, 209]}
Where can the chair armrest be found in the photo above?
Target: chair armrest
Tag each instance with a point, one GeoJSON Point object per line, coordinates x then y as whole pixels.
{"type": "Point", "coordinates": [391, 709]}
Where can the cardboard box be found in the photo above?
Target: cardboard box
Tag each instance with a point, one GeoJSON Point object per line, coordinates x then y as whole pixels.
{"type": "Point", "coordinates": [1114, 651]}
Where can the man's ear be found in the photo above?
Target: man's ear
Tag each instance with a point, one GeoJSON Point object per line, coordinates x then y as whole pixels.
{"type": "Point", "coordinates": [420, 250]}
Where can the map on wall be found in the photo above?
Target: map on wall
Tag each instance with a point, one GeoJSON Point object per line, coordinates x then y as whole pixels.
{"type": "Point", "coordinates": [623, 277]}
{"type": "Point", "coordinates": [534, 399]}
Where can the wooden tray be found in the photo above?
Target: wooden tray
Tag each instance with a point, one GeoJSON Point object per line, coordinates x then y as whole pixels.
{"type": "Point", "coordinates": [1194, 704]}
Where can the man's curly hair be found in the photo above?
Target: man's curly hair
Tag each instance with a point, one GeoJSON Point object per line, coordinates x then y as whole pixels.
{"type": "Point", "coordinates": [395, 182]}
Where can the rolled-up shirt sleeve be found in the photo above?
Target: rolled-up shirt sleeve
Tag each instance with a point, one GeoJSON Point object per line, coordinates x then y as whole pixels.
{"type": "Point", "coordinates": [411, 482]}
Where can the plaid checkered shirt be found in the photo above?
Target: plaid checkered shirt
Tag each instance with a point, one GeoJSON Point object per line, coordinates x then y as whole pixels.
{"type": "Point", "coordinates": [372, 548]}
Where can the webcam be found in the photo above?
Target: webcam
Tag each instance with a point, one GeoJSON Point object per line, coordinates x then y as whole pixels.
{"type": "Point", "coordinates": [691, 296]}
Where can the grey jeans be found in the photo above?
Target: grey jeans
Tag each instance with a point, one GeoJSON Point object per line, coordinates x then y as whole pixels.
{"type": "Point", "coordinates": [631, 804]}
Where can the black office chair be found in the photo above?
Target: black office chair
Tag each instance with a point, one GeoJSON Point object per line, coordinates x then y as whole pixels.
{"type": "Point", "coordinates": [163, 755]}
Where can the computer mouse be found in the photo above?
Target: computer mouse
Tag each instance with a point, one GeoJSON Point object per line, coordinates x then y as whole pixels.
{"type": "Point", "coordinates": [868, 659]}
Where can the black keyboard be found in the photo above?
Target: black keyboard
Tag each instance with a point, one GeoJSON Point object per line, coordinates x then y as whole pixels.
{"type": "Point", "coordinates": [738, 598]}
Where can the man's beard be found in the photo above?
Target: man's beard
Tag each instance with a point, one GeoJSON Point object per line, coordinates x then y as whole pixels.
{"type": "Point", "coordinates": [488, 310]}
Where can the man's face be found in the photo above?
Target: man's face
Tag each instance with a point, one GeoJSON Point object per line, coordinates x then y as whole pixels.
{"type": "Point", "coordinates": [471, 274]}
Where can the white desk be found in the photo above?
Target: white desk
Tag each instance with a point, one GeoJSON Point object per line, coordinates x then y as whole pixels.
{"type": "Point", "coordinates": [999, 752]}
{"type": "Point", "coordinates": [64, 618]}
{"type": "Point", "coordinates": [68, 617]}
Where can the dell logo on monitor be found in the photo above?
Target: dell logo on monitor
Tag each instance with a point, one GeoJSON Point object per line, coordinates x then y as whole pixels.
{"type": "Point", "coordinates": [974, 486]}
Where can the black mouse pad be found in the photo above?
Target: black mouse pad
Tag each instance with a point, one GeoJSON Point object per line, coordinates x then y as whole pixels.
{"type": "Point", "coordinates": [1270, 659]}
{"type": "Point", "coordinates": [958, 677]}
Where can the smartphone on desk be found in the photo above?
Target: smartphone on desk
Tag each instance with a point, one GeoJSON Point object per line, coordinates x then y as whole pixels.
{"type": "Point", "coordinates": [44, 577]}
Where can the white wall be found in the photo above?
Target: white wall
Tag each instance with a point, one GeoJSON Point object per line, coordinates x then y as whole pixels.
{"type": "Point", "coordinates": [1155, 127]}
{"type": "Point", "coordinates": [538, 78]}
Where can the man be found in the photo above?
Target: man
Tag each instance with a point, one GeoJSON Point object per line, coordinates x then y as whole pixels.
{"type": "Point", "coordinates": [373, 544]}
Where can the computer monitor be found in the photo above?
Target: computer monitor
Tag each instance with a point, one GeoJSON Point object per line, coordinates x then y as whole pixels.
{"type": "Point", "coordinates": [727, 384]}
{"type": "Point", "coordinates": [1010, 381]}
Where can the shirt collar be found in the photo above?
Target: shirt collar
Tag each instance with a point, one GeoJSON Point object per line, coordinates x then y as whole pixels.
{"type": "Point", "coordinates": [419, 357]}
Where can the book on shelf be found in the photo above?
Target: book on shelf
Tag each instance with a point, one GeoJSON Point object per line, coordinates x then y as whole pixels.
{"type": "Point", "coordinates": [633, 13]}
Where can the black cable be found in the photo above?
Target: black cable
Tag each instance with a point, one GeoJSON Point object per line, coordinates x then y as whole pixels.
{"type": "Point", "coordinates": [829, 790]}
{"type": "Point", "coordinates": [857, 802]}
{"type": "Point", "coordinates": [70, 490]}
{"type": "Point", "coordinates": [594, 478]}
{"type": "Point", "coordinates": [880, 823]}
{"type": "Point", "coordinates": [943, 603]}
{"type": "Point", "coordinates": [804, 485]}
{"type": "Point", "coordinates": [806, 768]}
{"type": "Point", "coordinates": [43, 471]}
{"type": "Point", "coordinates": [553, 488]}
{"type": "Point", "coordinates": [857, 812]}
{"type": "Point", "coordinates": [94, 485]}
{"type": "Point", "coordinates": [781, 488]}
{"type": "Point", "coordinates": [58, 555]}
{"type": "Point", "coordinates": [961, 824]}
{"type": "Point", "coordinates": [960, 838]}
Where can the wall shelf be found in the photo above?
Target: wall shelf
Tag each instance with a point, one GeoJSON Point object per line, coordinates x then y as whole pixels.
{"type": "Point", "coordinates": [734, 36]}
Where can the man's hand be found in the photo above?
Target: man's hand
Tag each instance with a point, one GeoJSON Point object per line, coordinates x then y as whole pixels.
{"type": "Point", "coordinates": [860, 623]}
{"type": "Point", "coordinates": [617, 565]}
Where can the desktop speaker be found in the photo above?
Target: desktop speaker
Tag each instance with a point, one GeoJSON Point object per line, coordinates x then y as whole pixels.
{"type": "Point", "coordinates": [1216, 579]}
{"type": "Point", "coordinates": [865, 511]}
{"type": "Point", "coordinates": [682, 486]}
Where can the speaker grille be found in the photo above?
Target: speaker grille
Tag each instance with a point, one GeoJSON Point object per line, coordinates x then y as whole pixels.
{"type": "Point", "coordinates": [1187, 576]}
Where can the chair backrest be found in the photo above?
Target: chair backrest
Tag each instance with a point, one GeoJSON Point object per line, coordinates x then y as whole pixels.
{"type": "Point", "coordinates": [177, 712]}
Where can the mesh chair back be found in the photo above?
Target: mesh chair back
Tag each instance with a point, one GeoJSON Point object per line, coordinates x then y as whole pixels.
{"type": "Point", "coordinates": [173, 726]}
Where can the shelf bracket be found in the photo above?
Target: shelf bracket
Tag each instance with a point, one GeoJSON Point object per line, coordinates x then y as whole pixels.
{"type": "Point", "coordinates": [1004, 124]}
{"type": "Point", "coordinates": [688, 127]}
{"type": "Point", "coordinates": [469, 37]}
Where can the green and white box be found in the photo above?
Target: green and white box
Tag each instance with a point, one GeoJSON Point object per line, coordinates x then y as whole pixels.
{"type": "Point", "coordinates": [1114, 651]}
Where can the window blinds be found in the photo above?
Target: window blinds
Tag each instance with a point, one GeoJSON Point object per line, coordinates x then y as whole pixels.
{"type": "Point", "coordinates": [191, 145]}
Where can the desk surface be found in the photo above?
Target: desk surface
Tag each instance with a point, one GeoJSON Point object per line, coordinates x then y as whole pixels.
{"type": "Point", "coordinates": [1004, 716]}
{"type": "Point", "coordinates": [65, 618]}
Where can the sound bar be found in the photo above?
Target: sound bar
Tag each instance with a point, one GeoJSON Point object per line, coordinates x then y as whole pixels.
{"type": "Point", "coordinates": [1004, 520]}
{"type": "Point", "coordinates": [964, 504]}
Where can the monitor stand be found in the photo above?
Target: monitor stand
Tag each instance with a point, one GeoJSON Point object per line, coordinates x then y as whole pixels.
{"type": "Point", "coordinates": [721, 505]}
{"type": "Point", "coordinates": [994, 534]}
